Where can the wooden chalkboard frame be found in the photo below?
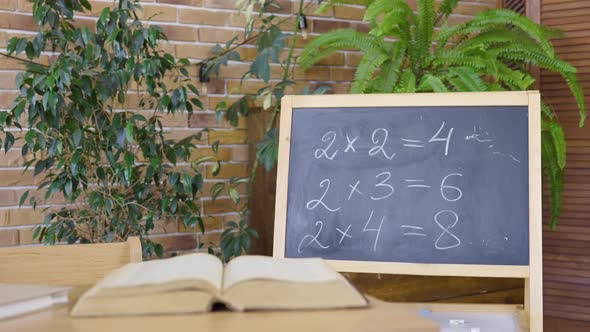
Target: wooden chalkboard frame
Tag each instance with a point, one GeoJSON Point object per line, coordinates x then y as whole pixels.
{"type": "Point", "coordinates": [532, 273]}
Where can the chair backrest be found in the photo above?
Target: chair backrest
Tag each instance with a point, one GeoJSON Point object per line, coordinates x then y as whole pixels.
{"type": "Point", "coordinates": [66, 265]}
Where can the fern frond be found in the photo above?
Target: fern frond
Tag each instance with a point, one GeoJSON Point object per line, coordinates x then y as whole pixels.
{"type": "Point", "coordinates": [547, 111]}
{"type": "Point", "coordinates": [445, 9]}
{"type": "Point", "coordinates": [424, 27]}
{"type": "Point", "coordinates": [500, 35]}
{"type": "Point", "coordinates": [407, 83]}
{"type": "Point", "coordinates": [503, 17]}
{"type": "Point", "coordinates": [458, 58]}
{"type": "Point", "coordinates": [366, 69]}
{"type": "Point", "coordinates": [431, 83]}
{"type": "Point", "coordinates": [553, 171]}
{"type": "Point", "coordinates": [390, 73]}
{"type": "Point", "coordinates": [396, 23]}
{"type": "Point", "coordinates": [466, 79]}
{"type": "Point", "coordinates": [576, 89]}
{"type": "Point", "coordinates": [377, 8]}
{"type": "Point", "coordinates": [523, 54]}
{"type": "Point", "coordinates": [515, 79]}
{"type": "Point", "coordinates": [336, 40]}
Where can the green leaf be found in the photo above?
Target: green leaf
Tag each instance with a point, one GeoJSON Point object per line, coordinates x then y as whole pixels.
{"type": "Point", "coordinates": [129, 132]}
{"type": "Point", "coordinates": [77, 137]}
{"type": "Point", "coordinates": [68, 188]}
{"type": "Point", "coordinates": [234, 195]}
{"type": "Point", "coordinates": [268, 149]}
{"type": "Point", "coordinates": [216, 190]}
{"type": "Point", "coordinates": [216, 168]}
{"type": "Point", "coordinates": [104, 15]}
{"type": "Point", "coordinates": [159, 249]}
{"type": "Point", "coordinates": [215, 146]}
{"type": "Point", "coordinates": [8, 141]}
{"type": "Point", "coordinates": [23, 198]}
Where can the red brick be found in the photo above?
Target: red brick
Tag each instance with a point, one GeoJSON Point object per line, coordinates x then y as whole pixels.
{"type": "Point", "coordinates": [8, 237]}
{"type": "Point", "coordinates": [158, 13]}
{"type": "Point", "coordinates": [177, 242]}
{"type": "Point", "coordinates": [211, 223]}
{"type": "Point", "coordinates": [25, 6]}
{"type": "Point", "coordinates": [209, 239]}
{"type": "Point", "coordinates": [321, 26]}
{"type": "Point", "coordinates": [223, 154]}
{"type": "Point", "coordinates": [8, 4]}
{"type": "Point", "coordinates": [25, 236]}
{"type": "Point", "coordinates": [193, 51]}
{"type": "Point", "coordinates": [182, 2]}
{"type": "Point", "coordinates": [240, 153]}
{"type": "Point", "coordinates": [220, 205]}
{"type": "Point", "coordinates": [312, 74]}
{"type": "Point", "coordinates": [16, 177]}
{"type": "Point", "coordinates": [225, 4]}
{"type": "Point", "coordinates": [8, 198]}
{"type": "Point", "coordinates": [343, 74]}
{"type": "Point", "coordinates": [228, 170]}
{"type": "Point", "coordinates": [17, 217]}
{"type": "Point", "coordinates": [350, 13]}
{"type": "Point", "coordinates": [202, 17]}
{"type": "Point", "coordinates": [213, 35]}
{"type": "Point", "coordinates": [180, 33]}
{"type": "Point", "coordinates": [228, 136]}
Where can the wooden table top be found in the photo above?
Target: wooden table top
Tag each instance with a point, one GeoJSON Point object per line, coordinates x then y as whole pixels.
{"type": "Point", "coordinates": [380, 316]}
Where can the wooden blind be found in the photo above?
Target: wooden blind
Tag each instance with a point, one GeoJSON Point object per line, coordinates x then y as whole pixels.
{"type": "Point", "coordinates": [567, 250]}
{"type": "Point", "coordinates": [518, 6]}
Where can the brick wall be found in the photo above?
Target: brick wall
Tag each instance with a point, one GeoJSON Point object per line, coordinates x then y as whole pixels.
{"type": "Point", "coordinates": [193, 27]}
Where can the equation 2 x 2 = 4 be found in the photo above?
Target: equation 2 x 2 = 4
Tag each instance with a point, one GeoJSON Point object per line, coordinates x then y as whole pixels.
{"type": "Point", "coordinates": [379, 138]}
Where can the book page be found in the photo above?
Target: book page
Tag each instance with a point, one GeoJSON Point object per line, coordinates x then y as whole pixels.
{"type": "Point", "coordinates": [262, 267]}
{"type": "Point", "coordinates": [185, 267]}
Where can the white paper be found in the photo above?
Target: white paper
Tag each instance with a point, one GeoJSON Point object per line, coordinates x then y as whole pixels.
{"type": "Point", "coordinates": [261, 267]}
{"type": "Point", "coordinates": [184, 267]}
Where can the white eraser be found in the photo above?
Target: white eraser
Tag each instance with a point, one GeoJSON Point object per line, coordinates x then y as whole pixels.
{"type": "Point", "coordinates": [456, 322]}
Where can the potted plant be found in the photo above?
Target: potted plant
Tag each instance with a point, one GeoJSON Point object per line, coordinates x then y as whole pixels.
{"type": "Point", "coordinates": [407, 51]}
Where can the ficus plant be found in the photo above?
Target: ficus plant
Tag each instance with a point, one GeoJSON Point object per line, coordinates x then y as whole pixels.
{"type": "Point", "coordinates": [274, 49]}
{"type": "Point", "coordinates": [411, 52]}
{"type": "Point", "coordinates": [116, 169]}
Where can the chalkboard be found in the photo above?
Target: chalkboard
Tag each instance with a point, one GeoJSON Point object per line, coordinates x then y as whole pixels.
{"type": "Point", "coordinates": [441, 185]}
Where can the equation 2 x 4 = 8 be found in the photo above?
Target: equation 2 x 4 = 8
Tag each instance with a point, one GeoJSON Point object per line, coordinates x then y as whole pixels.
{"type": "Point", "coordinates": [383, 188]}
{"type": "Point", "coordinates": [446, 220]}
{"type": "Point", "coordinates": [379, 138]}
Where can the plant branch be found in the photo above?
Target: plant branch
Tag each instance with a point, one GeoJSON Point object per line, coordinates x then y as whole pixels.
{"type": "Point", "coordinates": [23, 60]}
{"type": "Point", "coordinates": [253, 37]}
{"type": "Point", "coordinates": [276, 109]}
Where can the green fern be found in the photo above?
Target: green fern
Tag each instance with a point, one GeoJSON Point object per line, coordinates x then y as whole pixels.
{"type": "Point", "coordinates": [366, 69]}
{"type": "Point", "coordinates": [491, 52]}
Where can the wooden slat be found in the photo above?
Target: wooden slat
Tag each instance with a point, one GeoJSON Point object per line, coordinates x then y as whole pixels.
{"type": "Point", "coordinates": [566, 251]}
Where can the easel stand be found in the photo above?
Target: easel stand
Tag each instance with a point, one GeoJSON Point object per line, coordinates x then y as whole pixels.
{"type": "Point", "coordinates": [531, 273]}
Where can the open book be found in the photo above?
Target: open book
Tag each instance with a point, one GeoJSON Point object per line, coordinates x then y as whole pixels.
{"type": "Point", "coordinates": [193, 283]}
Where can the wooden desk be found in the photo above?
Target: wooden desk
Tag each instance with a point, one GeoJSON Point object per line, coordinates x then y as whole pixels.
{"type": "Point", "coordinates": [380, 317]}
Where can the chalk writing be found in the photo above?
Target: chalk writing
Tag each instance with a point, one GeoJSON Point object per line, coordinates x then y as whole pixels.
{"type": "Point", "coordinates": [328, 137]}
{"type": "Point", "coordinates": [380, 148]}
{"type": "Point", "coordinates": [446, 231]}
{"type": "Point", "coordinates": [312, 204]}
{"type": "Point", "coordinates": [312, 239]}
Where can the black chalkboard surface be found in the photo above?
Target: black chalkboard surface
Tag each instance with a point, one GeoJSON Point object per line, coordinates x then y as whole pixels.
{"type": "Point", "coordinates": [442, 185]}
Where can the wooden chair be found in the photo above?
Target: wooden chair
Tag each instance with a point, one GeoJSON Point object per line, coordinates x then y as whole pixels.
{"type": "Point", "coordinates": [66, 265]}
